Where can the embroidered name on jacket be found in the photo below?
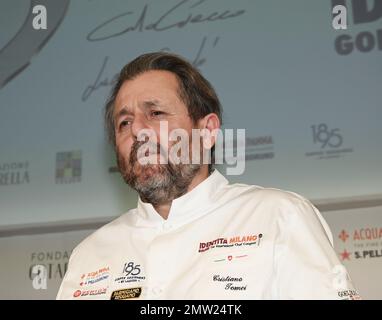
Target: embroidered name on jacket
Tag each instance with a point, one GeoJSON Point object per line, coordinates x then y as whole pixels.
{"type": "Point", "coordinates": [235, 241]}
{"type": "Point", "coordinates": [230, 282]}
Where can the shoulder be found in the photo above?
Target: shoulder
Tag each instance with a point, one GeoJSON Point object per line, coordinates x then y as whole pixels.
{"type": "Point", "coordinates": [280, 206]}
{"type": "Point", "coordinates": [267, 196]}
{"type": "Point", "coordinates": [107, 235]}
{"type": "Point", "coordinates": [91, 253]}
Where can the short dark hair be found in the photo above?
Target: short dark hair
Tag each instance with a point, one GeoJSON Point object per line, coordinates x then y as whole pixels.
{"type": "Point", "coordinates": [195, 91]}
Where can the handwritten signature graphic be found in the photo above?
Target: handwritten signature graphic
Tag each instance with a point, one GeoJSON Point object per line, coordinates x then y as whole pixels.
{"type": "Point", "coordinates": [102, 32]}
{"type": "Point", "coordinates": [103, 81]}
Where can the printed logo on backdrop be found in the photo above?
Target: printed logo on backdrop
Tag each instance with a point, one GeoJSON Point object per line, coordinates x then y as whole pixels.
{"type": "Point", "coordinates": [360, 243]}
{"type": "Point", "coordinates": [131, 272]}
{"type": "Point", "coordinates": [327, 142]}
{"type": "Point", "coordinates": [14, 173]}
{"type": "Point", "coordinates": [46, 266]}
{"type": "Point", "coordinates": [256, 148]}
{"type": "Point", "coordinates": [361, 34]}
{"type": "Point", "coordinates": [68, 167]}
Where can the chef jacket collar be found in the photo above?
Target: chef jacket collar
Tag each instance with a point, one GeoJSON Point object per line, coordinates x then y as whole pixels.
{"type": "Point", "coordinates": [193, 203]}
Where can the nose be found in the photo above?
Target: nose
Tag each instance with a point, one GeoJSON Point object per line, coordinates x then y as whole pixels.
{"type": "Point", "coordinates": [139, 123]}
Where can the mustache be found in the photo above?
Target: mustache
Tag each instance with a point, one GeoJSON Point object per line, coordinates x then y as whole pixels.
{"type": "Point", "coordinates": [169, 167]}
{"type": "Point", "coordinates": [149, 149]}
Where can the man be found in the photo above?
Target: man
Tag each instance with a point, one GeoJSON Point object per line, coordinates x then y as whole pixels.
{"type": "Point", "coordinates": [193, 235]}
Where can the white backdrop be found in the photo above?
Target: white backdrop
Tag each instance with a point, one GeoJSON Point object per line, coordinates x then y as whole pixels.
{"type": "Point", "coordinates": [307, 95]}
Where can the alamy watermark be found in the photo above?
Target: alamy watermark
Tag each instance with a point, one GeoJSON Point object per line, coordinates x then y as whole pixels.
{"type": "Point", "coordinates": [40, 20]}
{"type": "Point", "coordinates": [195, 149]}
{"type": "Point", "coordinates": [39, 277]}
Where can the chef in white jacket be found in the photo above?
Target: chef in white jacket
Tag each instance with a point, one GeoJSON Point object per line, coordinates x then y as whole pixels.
{"type": "Point", "coordinates": [193, 235]}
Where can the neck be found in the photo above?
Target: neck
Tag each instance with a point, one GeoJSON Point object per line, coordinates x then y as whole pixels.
{"type": "Point", "coordinates": [164, 208]}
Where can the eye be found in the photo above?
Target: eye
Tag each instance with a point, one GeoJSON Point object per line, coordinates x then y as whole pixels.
{"type": "Point", "coordinates": [124, 124]}
{"type": "Point", "coordinates": [156, 113]}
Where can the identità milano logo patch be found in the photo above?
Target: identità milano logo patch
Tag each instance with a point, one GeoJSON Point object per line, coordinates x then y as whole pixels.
{"type": "Point", "coordinates": [68, 167]}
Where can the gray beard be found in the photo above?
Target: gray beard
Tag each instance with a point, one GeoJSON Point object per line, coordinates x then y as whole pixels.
{"type": "Point", "coordinates": [156, 183]}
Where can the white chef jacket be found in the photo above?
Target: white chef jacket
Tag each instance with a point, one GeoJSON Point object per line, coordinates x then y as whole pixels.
{"type": "Point", "coordinates": [220, 241]}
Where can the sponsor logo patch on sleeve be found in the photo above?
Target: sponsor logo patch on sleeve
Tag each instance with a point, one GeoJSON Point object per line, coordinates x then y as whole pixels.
{"type": "Point", "coordinates": [125, 294]}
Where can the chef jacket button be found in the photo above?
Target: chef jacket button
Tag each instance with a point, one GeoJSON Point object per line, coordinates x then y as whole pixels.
{"type": "Point", "coordinates": [166, 226]}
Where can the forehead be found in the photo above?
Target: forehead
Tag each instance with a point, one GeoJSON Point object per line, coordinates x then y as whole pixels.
{"type": "Point", "coordinates": [151, 85]}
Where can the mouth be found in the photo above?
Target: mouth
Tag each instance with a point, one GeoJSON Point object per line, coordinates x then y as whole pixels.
{"type": "Point", "coordinates": [150, 158]}
{"type": "Point", "coordinates": [151, 155]}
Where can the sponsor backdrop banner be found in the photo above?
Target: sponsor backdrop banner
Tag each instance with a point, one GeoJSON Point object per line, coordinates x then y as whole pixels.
{"type": "Point", "coordinates": [307, 95]}
{"type": "Point", "coordinates": [358, 241]}
{"type": "Point", "coordinates": [20, 254]}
